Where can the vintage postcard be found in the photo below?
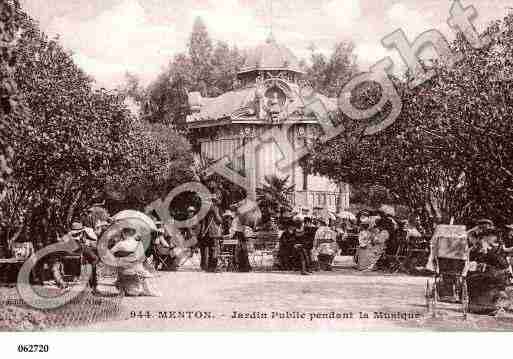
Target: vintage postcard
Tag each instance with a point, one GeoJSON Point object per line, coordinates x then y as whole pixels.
{"type": "Point", "coordinates": [256, 165]}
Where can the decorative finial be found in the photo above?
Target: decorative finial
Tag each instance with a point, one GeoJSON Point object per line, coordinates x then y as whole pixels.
{"type": "Point", "coordinates": [270, 38]}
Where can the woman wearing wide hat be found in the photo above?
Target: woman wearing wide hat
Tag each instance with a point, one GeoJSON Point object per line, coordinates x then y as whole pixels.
{"type": "Point", "coordinates": [133, 277]}
{"type": "Point", "coordinates": [292, 247]}
{"type": "Point", "coordinates": [287, 240]}
{"type": "Point", "coordinates": [489, 273]}
{"type": "Point", "coordinates": [371, 242]}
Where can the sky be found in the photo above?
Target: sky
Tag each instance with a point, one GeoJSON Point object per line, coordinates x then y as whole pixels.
{"type": "Point", "coordinates": [110, 37]}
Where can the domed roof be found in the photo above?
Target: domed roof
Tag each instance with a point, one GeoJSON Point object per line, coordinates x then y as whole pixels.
{"type": "Point", "coordinates": [270, 56]}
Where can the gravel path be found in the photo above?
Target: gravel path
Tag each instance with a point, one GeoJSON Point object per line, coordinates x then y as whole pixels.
{"type": "Point", "coordinates": [287, 301]}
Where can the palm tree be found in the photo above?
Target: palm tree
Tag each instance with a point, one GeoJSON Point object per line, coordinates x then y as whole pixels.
{"type": "Point", "coordinates": [273, 198]}
{"type": "Point", "coordinates": [200, 168]}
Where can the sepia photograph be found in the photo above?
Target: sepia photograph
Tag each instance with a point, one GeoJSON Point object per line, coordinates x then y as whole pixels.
{"type": "Point", "coordinates": [255, 166]}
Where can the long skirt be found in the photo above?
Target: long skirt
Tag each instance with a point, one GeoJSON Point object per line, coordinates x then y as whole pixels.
{"type": "Point", "coordinates": [136, 281]}
{"type": "Point", "coordinates": [368, 256]}
{"type": "Point", "coordinates": [486, 290]}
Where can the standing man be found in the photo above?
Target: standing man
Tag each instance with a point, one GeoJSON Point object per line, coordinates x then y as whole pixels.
{"type": "Point", "coordinates": [306, 233]}
{"type": "Point", "coordinates": [233, 229]}
{"type": "Point", "coordinates": [301, 245]}
{"type": "Point", "coordinates": [191, 234]}
{"type": "Point", "coordinates": [211, 234]}
{"type": "Point", "coordinates": [287, 240]}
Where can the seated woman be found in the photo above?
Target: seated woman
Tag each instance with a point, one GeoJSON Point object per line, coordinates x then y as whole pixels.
{"type": "Point", "coordinates": [133, 277]}
{"type": "Point", "coordinates": [488, 274]}
{"type": "Point", "coordinates": [286, 249]}
{"type": "Point", "coordinates": [371, 242]}
{"type": "Point", "coordinates": [161, 246]}
{"type": "Point", "coordinates": [325, 245]}
{"type": "Point", "coordinates": [293, 251]}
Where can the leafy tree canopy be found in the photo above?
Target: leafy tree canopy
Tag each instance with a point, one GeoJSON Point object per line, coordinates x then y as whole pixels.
{"type": "Point", "coordinates": [449, 153]}
{"type": "Point", "coordinates": [79, 145]}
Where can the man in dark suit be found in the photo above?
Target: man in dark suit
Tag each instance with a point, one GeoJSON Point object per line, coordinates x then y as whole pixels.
{"type": "Point", "coordinates": [211, 232]}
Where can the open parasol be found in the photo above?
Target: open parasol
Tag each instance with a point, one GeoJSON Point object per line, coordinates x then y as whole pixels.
{"type": "Point", "coordinates": [139, 219]}
{"type": "Point", "coordinates": [346, 215]}
{"type": "Point", "coordinates": [387, 209]}
{"type": "Point", "coordinates": [414, 232]}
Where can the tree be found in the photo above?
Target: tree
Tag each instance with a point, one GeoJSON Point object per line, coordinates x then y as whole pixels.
{"type": "Point", "coordinates": [132, 88]}
{"type": "Point", "coordinates": [226, 62]}
{"type": "Point", "coordinates": [11, 105]}
{"type": "Point", "coordinates": [207, 68]}
{"type": "Point", "coordinates": [329, 75]}
{"type": "Point", "coordinates": [200, 53]}
{"type": "Point", "coordinates": [449, 153]}
{"type": "Point", "coordinates": [167, 100]}
{"type": "Point", "coordinates": [273, 197]}
{"type": "Point", "coordinates": [80, 145]}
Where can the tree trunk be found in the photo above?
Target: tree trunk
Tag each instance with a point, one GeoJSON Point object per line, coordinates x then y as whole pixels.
{"type": "Point", "coordinates": [69, 216]}
{"type": "Point", "coordinates": [342, 190]}
{"type": "Point", "coordinates": [15, 237]}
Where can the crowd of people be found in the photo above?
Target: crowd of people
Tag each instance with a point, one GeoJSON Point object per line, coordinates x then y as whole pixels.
{"type": "Point", "coordinates": [135, 255]}
{"type": "Point", "coordinates": [311, 243]}
{"type": "Point", "coordinates": [306, 244]}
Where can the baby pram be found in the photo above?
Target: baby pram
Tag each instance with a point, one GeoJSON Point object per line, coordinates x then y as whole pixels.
{"type": "Point", "coordinates": [449, 261]}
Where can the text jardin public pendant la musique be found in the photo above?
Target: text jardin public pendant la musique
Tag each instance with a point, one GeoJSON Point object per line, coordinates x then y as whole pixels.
{"type": "Point", "coordinates": [292, 315]}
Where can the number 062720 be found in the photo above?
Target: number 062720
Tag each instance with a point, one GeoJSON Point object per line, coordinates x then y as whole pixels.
{"type": "Point", "coordinates": [33, 348]}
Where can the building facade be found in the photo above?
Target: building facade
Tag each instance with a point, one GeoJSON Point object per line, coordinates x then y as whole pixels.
{"type": "Point", "coordinates": [271, 112]}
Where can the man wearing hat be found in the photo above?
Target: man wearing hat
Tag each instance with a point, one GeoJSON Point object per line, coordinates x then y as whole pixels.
{"type": "Point", "coordinates": [233, 229]}
{"type": "Point", "coordinates": [231, 232]}
{"type": "Point", "coordinates": [87, 239]}
{"type": "Point", "coordinates": [508, 238]}
{"type": "Point", "coordinates": [287, 240]}
{"type": "Point", "coordinates": [100, 227]}
{"type": "Point", "coordinates": [474, 234]}
{"type": "Point", "coordinates": [292, 246]}
{"type": "Point", "coordinates": [302, 246]}
{"type": "Point", "coordinates": [489, 273]}
{"type": "Point", "coordinates": [159, 244]}
{"type": "Point", "coordinates": [309, 232]}
{"type": "Point", "coordinates": [191, 234]}
{"type": "Point", "coordinates": [95, 214]}
{"type": "Point", "coordinates": [211, 235]}
{"type": "Point", "coordinates": [228, 229]}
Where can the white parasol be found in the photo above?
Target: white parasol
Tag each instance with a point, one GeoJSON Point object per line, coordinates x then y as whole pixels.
{"type": "Point", "coordinates": [138, 218]}
{"type": "Point", "coordinates": [387, 209]}
{"type": "Point", "coordinates": [414, 232]}
{"type": "Point", "coordinates": [346, 215]}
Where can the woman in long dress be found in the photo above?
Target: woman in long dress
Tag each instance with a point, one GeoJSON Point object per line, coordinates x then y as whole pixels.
{"type": "Point", "coordinates": [325, 245]}
{"type": "Point", "coordinates": [372, 242]}
{"type": "Point", "coordinates": [133, 277]}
